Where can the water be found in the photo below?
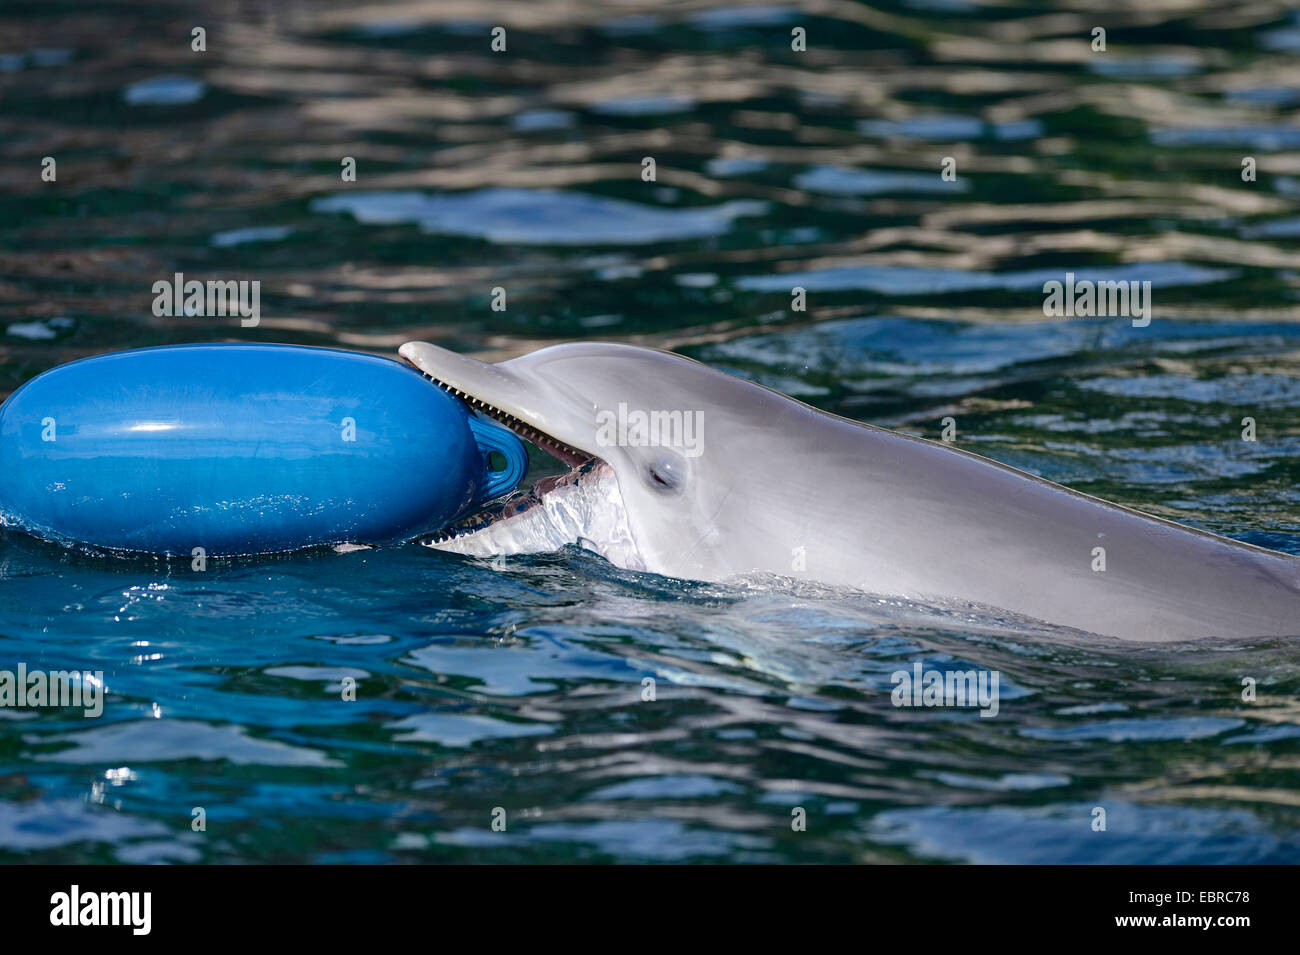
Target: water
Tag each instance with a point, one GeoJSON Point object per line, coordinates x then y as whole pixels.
{"type": "Point", "coordinates": [519, 684]}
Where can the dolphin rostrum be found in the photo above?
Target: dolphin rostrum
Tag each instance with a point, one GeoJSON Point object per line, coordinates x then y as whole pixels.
{"type": "Point", "coordinates": [685, 471]}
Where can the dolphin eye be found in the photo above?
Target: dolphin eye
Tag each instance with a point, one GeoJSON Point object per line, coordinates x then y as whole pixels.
{"type": "Point", "coordinates": [666, 474]}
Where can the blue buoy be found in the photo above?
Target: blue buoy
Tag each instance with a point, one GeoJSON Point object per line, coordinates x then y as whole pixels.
{"type": "Point", "coordinates": [244, 449]}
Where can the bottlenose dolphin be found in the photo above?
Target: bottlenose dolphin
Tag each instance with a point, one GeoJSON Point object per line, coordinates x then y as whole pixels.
{"type": "Point", "coordinates": [688, 472]}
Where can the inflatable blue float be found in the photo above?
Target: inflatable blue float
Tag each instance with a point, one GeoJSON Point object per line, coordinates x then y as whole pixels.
{"type": "Point", "coordinates": [244, 449]}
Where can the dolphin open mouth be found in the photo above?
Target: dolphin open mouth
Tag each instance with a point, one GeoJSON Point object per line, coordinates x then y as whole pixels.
{"type": "Point", "coordinates": [581, 506]}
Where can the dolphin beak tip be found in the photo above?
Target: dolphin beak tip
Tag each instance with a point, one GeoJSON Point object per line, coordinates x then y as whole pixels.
{"type": "Point", "coordinates": [422, 355]}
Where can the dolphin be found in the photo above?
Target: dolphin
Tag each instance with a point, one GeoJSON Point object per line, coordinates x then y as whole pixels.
{"type": "Point", "coordinates": [682, 470]}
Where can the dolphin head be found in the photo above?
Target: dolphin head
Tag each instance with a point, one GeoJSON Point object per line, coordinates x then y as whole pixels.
{"type": "Point", "coordinates": [656, 441]}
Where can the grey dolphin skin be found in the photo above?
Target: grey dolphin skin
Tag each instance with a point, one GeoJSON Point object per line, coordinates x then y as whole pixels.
{"type": "Point", "coordinates": [686, 471]}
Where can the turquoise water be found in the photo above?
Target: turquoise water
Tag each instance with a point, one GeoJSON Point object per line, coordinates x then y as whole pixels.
{"type": "Point", "coordinates": [519, 685]}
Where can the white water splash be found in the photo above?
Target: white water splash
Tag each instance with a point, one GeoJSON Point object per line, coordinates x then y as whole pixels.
{"type": "Point", "coordinates": [583, 507]}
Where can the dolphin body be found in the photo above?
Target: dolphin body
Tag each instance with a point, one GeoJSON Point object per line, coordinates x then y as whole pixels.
{"type": "Point", "coordinates": [770, 485]}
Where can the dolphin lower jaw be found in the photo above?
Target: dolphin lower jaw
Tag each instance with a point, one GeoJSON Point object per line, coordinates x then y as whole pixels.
{"type": "Point", "coordinates": [582, 507]}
